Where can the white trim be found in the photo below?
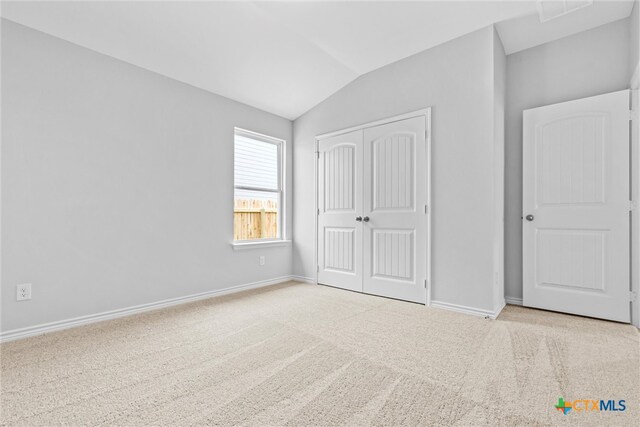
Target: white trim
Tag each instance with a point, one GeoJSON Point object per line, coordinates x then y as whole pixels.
{"type": "Point", "coordinates": [316, 206]}
{"type": "Point", "coordinates": [410, 115]}
{"type": "Point", "coordinates": [123, 312]}
{"type": "Point", "coordinates": [428, 163]}
{"type": "Point", "coordinates": [513, 301]}
{"type": "Point", "coordinates": [468, 310]}
{"type": "Point", "coordinates": [259, 136]}
{"type": "Point", "coordinates": [498, 309]}
{"type": "Point", "coordinates": [260, 189]}
{"type": "Point", "coordinates": [304, 279]}
{"type": "Point", "coordinates": [243, 245]}
{"type": "Point", "coordinates": [635, 193]}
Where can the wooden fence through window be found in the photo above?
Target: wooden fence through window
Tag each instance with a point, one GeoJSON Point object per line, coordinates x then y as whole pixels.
{"type": "Point", "coordinates": [255, 219]}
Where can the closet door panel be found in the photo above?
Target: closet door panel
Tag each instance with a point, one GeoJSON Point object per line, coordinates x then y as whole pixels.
{"type": "Point", "coordinates": [395, 222]}
{"type": "Point", "coordinates": [340, 203]}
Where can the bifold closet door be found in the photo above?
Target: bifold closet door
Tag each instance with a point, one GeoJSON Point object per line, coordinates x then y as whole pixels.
{"type": "Point", "coordinates": [339, 208]}
{"type": "Point", "coordinates": [394, 210]}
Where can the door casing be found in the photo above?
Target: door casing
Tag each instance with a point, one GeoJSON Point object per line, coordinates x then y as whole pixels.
{"type": "Point", "coordinates": [426, 113]}
{"type": "Point", "coordinates": [635, 196]}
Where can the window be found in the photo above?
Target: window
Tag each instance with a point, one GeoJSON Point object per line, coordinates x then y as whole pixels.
{"type": "Point", "coordinates": [257, 211]}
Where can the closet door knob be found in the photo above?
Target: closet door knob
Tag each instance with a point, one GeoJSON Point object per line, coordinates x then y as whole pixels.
{"type": "Point", "coordinates": [365, 219]}
{"type": "Point", "coordinates": [358, 218]}
{"type": "Point", "coordinates": [529, 217]}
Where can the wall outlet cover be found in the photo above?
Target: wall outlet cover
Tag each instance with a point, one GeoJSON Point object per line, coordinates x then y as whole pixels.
{"type": "Point", "coordinates": [23, 291]}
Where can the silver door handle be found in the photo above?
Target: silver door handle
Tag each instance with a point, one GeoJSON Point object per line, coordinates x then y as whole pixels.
{"type": "Point", "coordinates": [358, 218]}
{"type": "Point", "coordinates": [529, 217]}
{"type": "Point", "coordinates": [365, 219]}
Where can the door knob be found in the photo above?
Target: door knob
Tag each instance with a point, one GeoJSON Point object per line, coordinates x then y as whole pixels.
{"type": "Point", "coordinates": [365, 219]}
{"type": "Point", "coordinates": [529, 217]}
{"type": "Point", "coordinates": [358, 218]}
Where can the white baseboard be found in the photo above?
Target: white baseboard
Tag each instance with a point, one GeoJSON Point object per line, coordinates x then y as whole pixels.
{"type": "Point", "coordinates": [498, 309]}
{"type": "Point", "coordinates": [513, 301]}
{"type": "Point", "coordinates": [114, 314]}
{"type": "Point", "coordinates": [468, 310]}
{"type": "Point", "coordinates": [304, 279]}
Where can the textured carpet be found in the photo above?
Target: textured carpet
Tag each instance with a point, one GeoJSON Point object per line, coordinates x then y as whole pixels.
{"type": "Point", "coordinates": [298, 354]}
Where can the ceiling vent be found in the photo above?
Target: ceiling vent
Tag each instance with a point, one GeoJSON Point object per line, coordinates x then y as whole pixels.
{"type": "Point", "coordinates": [552, 9]}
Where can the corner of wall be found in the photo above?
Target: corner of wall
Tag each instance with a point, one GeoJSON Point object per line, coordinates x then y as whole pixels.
{"type": "Point", "coordinates": [499, 99]}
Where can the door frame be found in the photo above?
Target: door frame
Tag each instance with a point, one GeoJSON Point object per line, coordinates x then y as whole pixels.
{"type": "Point", "coordinates": [635, 195]}
{"type": "Point", "coordinates": [424, 112]}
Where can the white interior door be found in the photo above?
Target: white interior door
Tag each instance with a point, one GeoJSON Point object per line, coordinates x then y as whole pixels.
{"type": "Point", "coordinates": [339, 205]}
{"type": "Point", "coordinates": [395, 199]}
{"type": "Point", "coordinates": [576, 207]}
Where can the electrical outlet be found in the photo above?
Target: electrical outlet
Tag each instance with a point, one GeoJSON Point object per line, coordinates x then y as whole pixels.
{"type": "Point", "coordinates": [261, 260]}
{"type": "Point", "coordinates": [23, 292]}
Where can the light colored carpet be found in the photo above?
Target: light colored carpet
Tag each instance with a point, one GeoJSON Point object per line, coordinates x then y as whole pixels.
{"type": "Point", "coordinates": [298, 354]}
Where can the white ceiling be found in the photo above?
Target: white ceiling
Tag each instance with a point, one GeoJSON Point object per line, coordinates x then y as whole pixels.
{"type": "Point", "coordinates": [286, 57]}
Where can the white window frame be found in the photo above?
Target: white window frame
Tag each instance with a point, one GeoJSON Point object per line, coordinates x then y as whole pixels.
{"type": "Point", "coordinates": [280, 191]}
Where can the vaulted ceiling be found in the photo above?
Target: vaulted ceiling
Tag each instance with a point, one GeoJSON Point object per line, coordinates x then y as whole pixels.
{"type": "Point", "coordinates": [286, 57]}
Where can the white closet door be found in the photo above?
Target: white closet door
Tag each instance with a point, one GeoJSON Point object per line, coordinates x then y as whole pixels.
{"type": "Point", "coordinates": [340, 203]}
{"type": "Point", "coordinates": [576, 207]}
{"type": "Point", "coordinates": [395, 226]}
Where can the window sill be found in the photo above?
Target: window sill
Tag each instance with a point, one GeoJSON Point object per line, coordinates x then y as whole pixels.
{"type": "Point", "coordinates": [240, 246]}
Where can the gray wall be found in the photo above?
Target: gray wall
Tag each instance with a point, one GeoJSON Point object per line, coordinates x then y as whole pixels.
{"type": "Point", "coordinates": [456, 79]}
{"type": "Point", "coordinates": [634, 46]}
{"type": "Point", "coordinates": [116, 184]}
{"type": "Point", "coordinates": [586, 64]}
